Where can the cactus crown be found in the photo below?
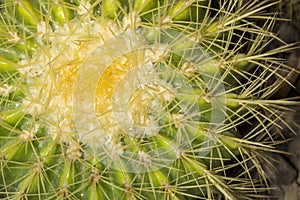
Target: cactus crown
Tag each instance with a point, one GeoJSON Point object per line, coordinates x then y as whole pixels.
{"type": "Point", "coordinates": [113, 99]}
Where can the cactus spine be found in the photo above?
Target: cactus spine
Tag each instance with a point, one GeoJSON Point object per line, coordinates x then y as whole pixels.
{"type": "Point", "coordinates": [114, 99]}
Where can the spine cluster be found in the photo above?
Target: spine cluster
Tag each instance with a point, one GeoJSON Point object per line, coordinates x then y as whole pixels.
{"type": "Point", "coordinates": [114, 99]}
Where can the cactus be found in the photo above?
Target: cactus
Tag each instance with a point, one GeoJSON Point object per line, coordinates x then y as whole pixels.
{"type": "Point", "coordinates": [114, 99]}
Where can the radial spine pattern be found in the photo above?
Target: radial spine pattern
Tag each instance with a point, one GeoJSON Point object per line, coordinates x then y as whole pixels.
{"type": "Point", "coordinates": [115, 99]}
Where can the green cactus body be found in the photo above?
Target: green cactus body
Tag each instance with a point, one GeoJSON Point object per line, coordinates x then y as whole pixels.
{"type": "Point", "coordinates": [131, 99]}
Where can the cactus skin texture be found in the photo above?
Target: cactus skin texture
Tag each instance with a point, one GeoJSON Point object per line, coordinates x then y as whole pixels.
{"type": "Point", "coordinates": [170, 83]}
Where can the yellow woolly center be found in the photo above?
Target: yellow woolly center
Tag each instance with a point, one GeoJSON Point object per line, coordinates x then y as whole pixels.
{"type": "Point", "coordinates": [52, 73]}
